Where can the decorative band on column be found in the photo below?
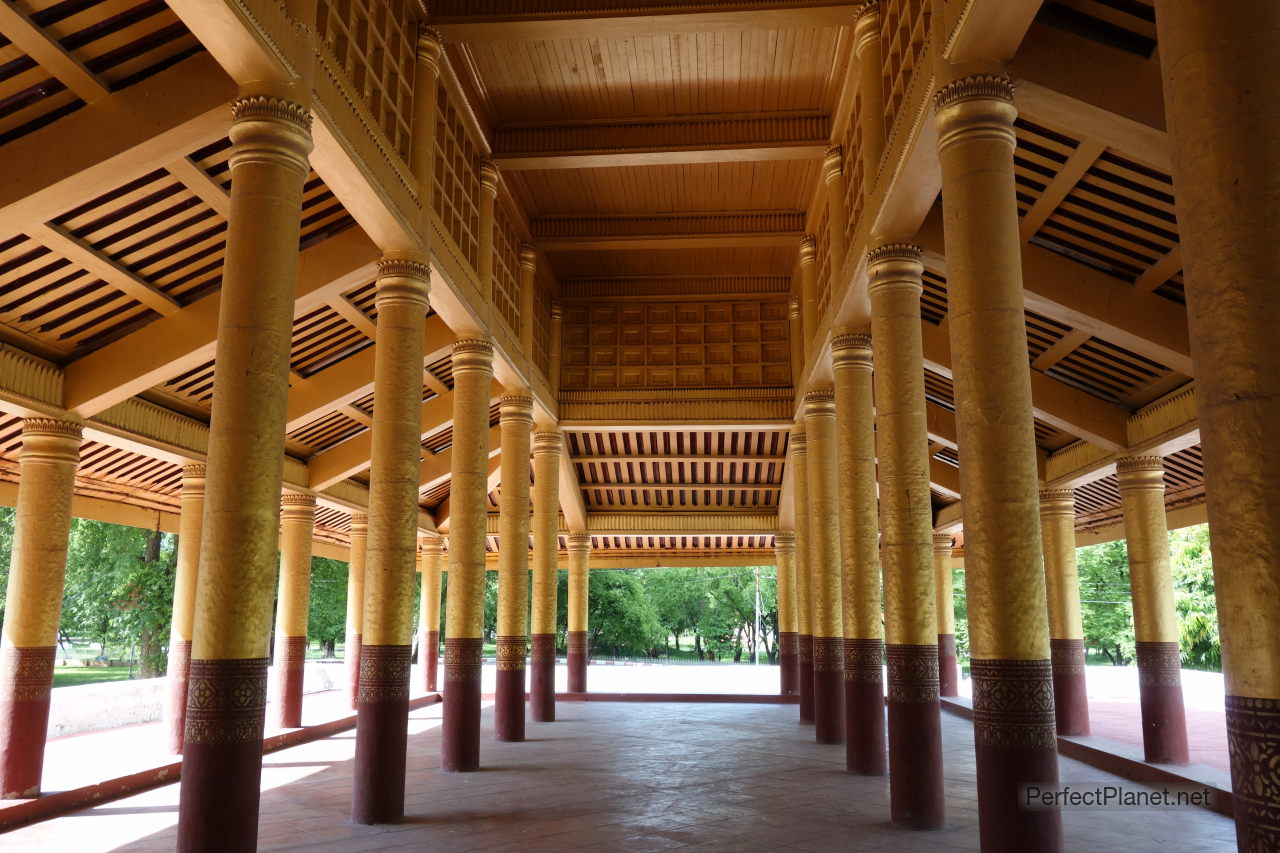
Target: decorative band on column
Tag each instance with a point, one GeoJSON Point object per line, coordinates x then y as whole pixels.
{"type": "Point", "coordinates": [864, 661]}
{"type": "Point", "coordinates": [510, 653]}
{"type": "Point", "coordinates": [1159, 664]}
{"type": "Point", "coordinates": [828, 689]}
{"type": "Point", "coordinates": [291, 652]}
{"type": "Point", "coordinates": [577, 660]}
{"type": "Point", "coordinates": [804, 648]}
{"type": "Point", "coordinates": [788, 643]}
{"type": "Point", "coordinates": [978, 87]}
{"type": "Point", "coordinates": [916, 791]}
{"type": "Point", "coordinates": [1253, 743]}
{"type": "Point", "coordinates": [226, 701]}
{"type": "Point", "coordinates": [176, 690]}
{"type": "Point", "coordinates": [1070, 695]}
{"type": "Point", "coordinates": [542, 648]}
{"type": "Point", "coordinates": [576, 642]}
{"type": "Point", "coordinates": [384, 673]}
{"type": "Point", "coordinates": [788, 660]}
{"type": "Point", "coordinates": [431, 659]}
{"type": "Point", "coordinates": [1016, 744]}
{"type": "Point", "coordinates": [29, 670]}
{"type": "Point", "coordinates": [864, 731]}
{"type": "Point", "coordinates": [948, 675]}
{"type": "Point", "coordinates": [804, 667]}
{"type": "Point", "coordinates": [508, 709]}
{"type": "Point", "coordinates": [460, 734]}
{"type": "Point", "coordinates": [542, 677]}
{"type": "Point", "coordinates": [913, 672]}
{"type": "Point", "coordinates": [291, 656]}
{"type": "Point", "coordinates": [26, 682]}
{"type": "Point", "coordinates": [828, 654]}
{"type": "Point", "coordinates": [462, 657]}
{"type": "Point", "coordinates": [1164, 717]}
{"type": "Point", "coordinates": [382, 703]}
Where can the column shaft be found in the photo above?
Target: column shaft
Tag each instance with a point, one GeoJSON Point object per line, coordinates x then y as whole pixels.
{"type": "Point", "coordinates": [382, 701]}
{"type": "Point", "coordinates": [1155, 619]}
{"type": "Point", "coordinates": [1008, 624]}
{"type": "Point", "coordinates": [871, 131]}
{"type": "Point", "coordinates": [184, 603]}
{"type": "Point", "coordinates": [226, 701]}
{"type": "Point", "coordinates": [472, 375]}
{"type": "Point", "coordinates": [293, 601]}
{"type": "Point", "coordinates": [432, 566]}
{"type": "Point", "coordinates": [579, 576]}
{"type": "Point", "coordinates": [859, 557]}
{"type": "Point", "coordinates": [1221, 69]}
{"type": "Point", "coordinates": [784, 549]}
{"type": "Point", "coordinates": [808, 292]}
{"type": "Point", "coordinates": [484, 236]}
{"type": "Point", "coordinates": [355, 604]}
{"type": "Point", "coordinates": [528, 292]}
{"type": "Point", "coordinates": [1066, 633]}
{"type": "Point", "coordinates": [837, 216]}
{"type": "Point", "coordinates": [804, 602]}
{"type": "Point", "coordinates": [944, 601]}
{"type": "Point", "coordinates": [33, 599]}
{"type": "Point", "coordinates": [557, 342]}
{"type": "Point", "coordinates": [906, 525]}
{"type": "Point", "coordinates": [513, 567]}
{"type": "Point", "coordinates": [547, 447]}
{"type": "Point", "coordinates": [824, 562]}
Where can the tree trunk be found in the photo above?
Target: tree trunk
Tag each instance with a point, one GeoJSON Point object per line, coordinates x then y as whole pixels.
{"type": "Point", "coordinates": [149, 651]}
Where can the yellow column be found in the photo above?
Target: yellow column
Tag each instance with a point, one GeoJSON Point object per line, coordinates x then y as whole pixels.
{"type": "Point", "coordinates": [1008, 624]}
{"type": "Point", "coordinates": [547, 447]}
{"type": "Point", "coordinates": [528, 290]}
{"type": "Point", "coordinates": [1221, 67]}
{"type": "Point", "coordinates": [516, 412]}
{"type": "Point", "coordinates": [1066, 633]}
{"type": "Point", "coordinates": [557, 342]}
{"type": "Point", "coordinates": [871, 130]}
{"type": "Point", "coordinates": [226, 706]}
{"type": "Point", "coordinates": [386, 647]}
{"type": "Point", "coordinates": [944, 600]}
{"type": "Point", "coordinates": [422, 133]}
{"type": "Point", "coordinates": [489, 179]}
{"type": "Point", "coordinates": [33, 599]}
{"type": "Point", "coordinates": [472, 375]}
{"type": "Point", "coordinates": [803, 588]}
{"type": "Point", "coordinates": [432, 565]}
{"type": "Point", "coordinates": [579, 575]}
{"type": "Point", "coordinates": [795, 331]}
{"type": "Point", "coordinates": [1155, 619]}
{"type": "Point", "coordinates": [355, 603]}
{"type": "Point", "coordinates": [859, 556]}
{"type": "Point", "coordinates": [809, 291]}
{"type": "Point", "coordinates": [837, 216]}
{"type": "Point", "coordinates": [906, 525]}
{"type": "Point", "coordinates": [784, 549]}
{"type": "Point", "coordinates": [824, 571]}
{"type": "Point", "coordinates": [184, 602]}
{"type": "Point", "coordinates": [297, 521]}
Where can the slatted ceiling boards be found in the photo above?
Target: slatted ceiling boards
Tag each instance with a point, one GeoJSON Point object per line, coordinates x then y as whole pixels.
{"type": "Point", "coordinates": [1126, 24]}
{"type": "Point", "coordinates": [933, 301]}
{"type": "Point", "coordinates": [433, 497]}
{"type": "Point", "coordinates": [681, 543]}
{"type": "Point", "coordinates": [322, 338]}
{"type": "Point", "coordinates": [762, 261]}
{"type": "Point", "coordinates": [322, 214]}
{"type": "Point", "coordinates": [1051, 438]}
{"type": "Point", "coordinates": [1040, 155]}
{"type": "Point", "coordinates": [1043, 333]}
{"type": "Point", "coordinates": [939, 391]}
{"type": "Point", "coordinates": [443, 371]}
{"type": "Point", "coordinates": [323, 433]}
{"type": "Point", "coordinates": [1098, 503]}
{"type": "Point", "coordinates": [658, 75]}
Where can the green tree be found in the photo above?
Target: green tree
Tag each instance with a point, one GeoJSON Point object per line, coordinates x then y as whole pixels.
{"type": "Point", "coordinates": [620, 616]}
{"type": "Point", "coordinates": [1106, 608]}
{"type": "Point", "coordinates": [1193, 590]}
{"type": "Point", "coordinates": [327, 614]}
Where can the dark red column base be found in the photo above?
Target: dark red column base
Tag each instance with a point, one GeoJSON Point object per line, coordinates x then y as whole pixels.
{"type": "Point", "coordinates": [804, 669]}
{"type": "Point", "coordinates": [542, 678]}
{"type": "Point", "coordinates": [948, 667]}
{"type": "Point", "coordinates": [460, 731]}
{"type": "Point", "coordinates": [1016, 745]}
{"type": "Point", "coordinates": [352, 655]}
{"type": "Point", "coordinates": [26, 679]}
{"type": "Point", "coordinates": [291, 656]}
{"type": "Point", "coordinates": [508, 704]}
{"type": "Point", "coordinates": [431, 661]}
{"type": "Point", "coordinates": [1164, 717]}
{"type": "Point", "coordinates": [916, 789]}
{"type": "Point", "coordinates": [175, 703]}
{"type": "Point", "coordinates": [1253, 742]}
{"type": "Point", "coordinates": [828, 689]}
{"type": "Point", "coordinates": [864, 735]}
{"type": "Point", "coordinates": [382, 734]}
{"type": "Point", "coordinates": [788, 660]}
{"type": "Point", "coordinates": [577, 660]}
{"type": "Point", "coordinates": [1070, 693]}
{"type": "Point", "coordinates": [222, 756]}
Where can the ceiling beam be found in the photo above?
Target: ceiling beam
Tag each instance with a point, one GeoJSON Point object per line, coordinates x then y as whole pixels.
{"type": "Point", "coordinates": [443, 510]}
{"type": "Point", "coordinates": [1053, 402]}
{"type": "Point", "coordinates": [607, 18]}
{"type": "Point", "coordinates": [676, 458]}
{"type": "Point", "coordinates": [352, 456]}
{"type": "Point", "coordinates": [62, 242]}
{"type": "Point", "coordinates": [669, 231]}
{"type": "Point", "coordinates": [32, 40]}
{"type": "Point", "coordinates": [943, 478]}
{"type": "Point", "coordinates": [648, 143]}
{"type": "Point", "coordinates": [185, 339]}
{"type": "Point", "coordinates": [437, 468]}
{"type": "Point", "coordinates": [682, 487]}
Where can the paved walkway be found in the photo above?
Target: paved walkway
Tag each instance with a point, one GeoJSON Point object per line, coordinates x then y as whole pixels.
{"type": "Point", "coordinates": [620, 777]}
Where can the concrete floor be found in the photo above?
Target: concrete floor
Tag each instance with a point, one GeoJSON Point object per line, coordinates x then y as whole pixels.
{"type": "Point", "coordinates": [620, 777]}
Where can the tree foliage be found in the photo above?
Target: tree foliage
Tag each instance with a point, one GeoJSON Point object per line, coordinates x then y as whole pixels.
{"type": "Point", "coordinates": [327, 614]}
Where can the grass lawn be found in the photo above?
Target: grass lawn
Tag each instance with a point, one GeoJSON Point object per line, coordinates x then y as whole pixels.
{"type": "Point", "coordinates": [67, 676]}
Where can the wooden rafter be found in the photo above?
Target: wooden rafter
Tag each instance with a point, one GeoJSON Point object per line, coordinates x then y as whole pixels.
{"type": "Point", "coordinates": [16, 26]}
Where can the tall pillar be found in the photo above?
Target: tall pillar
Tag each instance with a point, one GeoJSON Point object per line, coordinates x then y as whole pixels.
{"type": "Point", "coordinates": [226, 704]}
{"type": "Point", "coordinates": [784, 549]}
{"type": "Point", "coordinates": [184, 603]}
{"type": "Point", "coordinates": [472, 375]}
{"type": "Point", "coordinates": [293, 602]}
{"type": "Point", "coordinates": [547, 447]}
{"type": "Point", "coordinates": [906, 525]}
{"type": "Point", "coordinates": [804, 602]}
{"type": "Point", "coordinates": [824, 572]}
{"type": "Point", "coordinates": [837, 216]}
{"type": "Point", "coordinates": [864, 730]}
{"type": "Point", "coordinates": [1221, 70]}
{"type": "Point", "coordinates": [579, 577]}
{"type": "Point", "coordinates": [528, 292]}
{"type": "Point", "coordinates": [489, 178]}
{"type": "Point", "coordinates": [355, 604]}
{"type": "Point", "coordinates": [871, 135]}
{"type": "Point", "coordinates": [808, 291]}
{"type": "Point", "coordinates": [1066, 633]}
{"type": "Point", "coordinates": [37, 570]}
{"type": "Point", "coordinates": [432, 565]}
{"type": "Point", "coordinates": [382, 703]}
{"type": "Point", "coordinates": [795, 332]}
{"type": "Point", "coordinates": [1008, 623]}
{"type": "Point", "coordinates": [1155, 619]}
{"type": "Point", "coordinates": [944, 601]}
{"type": "Point", "coordinates": [516, 414]}
{"type": "Point", "coordinates": [557, 342]}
